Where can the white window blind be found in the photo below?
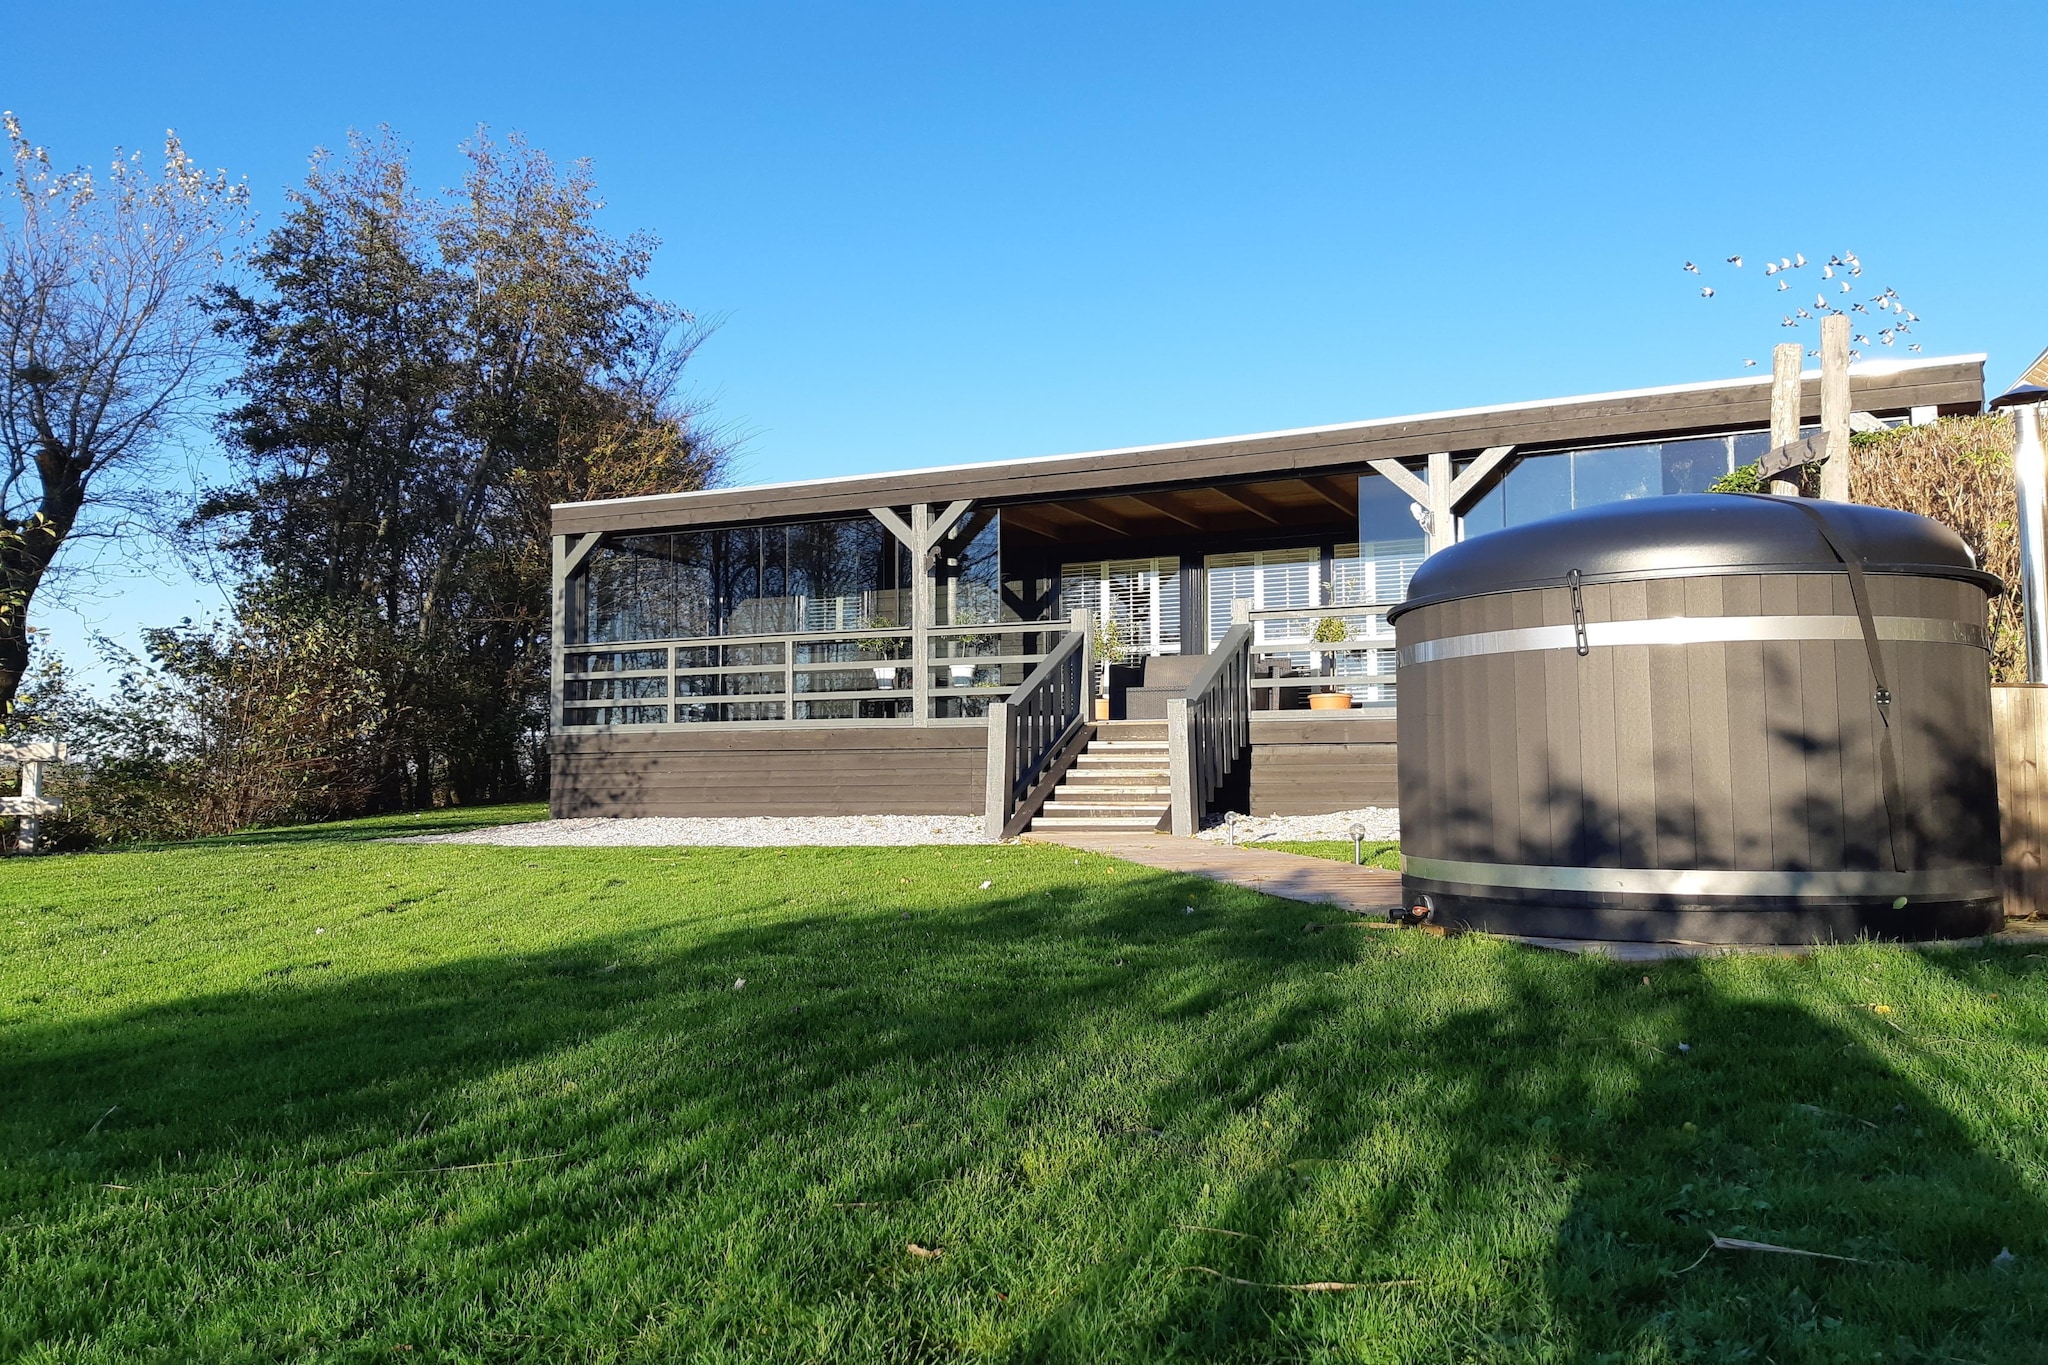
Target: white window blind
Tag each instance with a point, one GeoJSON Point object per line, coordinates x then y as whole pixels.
{"type": "Point", "coordinates": [1141, 595]}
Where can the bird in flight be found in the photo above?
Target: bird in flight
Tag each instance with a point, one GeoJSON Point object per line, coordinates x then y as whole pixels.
{"type": "Point", "coordinates": [1706, 291]}
{"type": "Point", "coordinates": [1693, 268]}
{"type": "Point", "coordinates": [1914, 347]}
{"type": "Point", "coordinates": [1845, 286]}
{"type": "Point", "coordinates": [1798, 260]}
{"type": "Point", "coordinates": [1808, 316]}
{"type": "Point", "coordinates": [1783, 285]}
{"type": "Point", "coordinates": [1862, 340]}
{"type": "Point", "coordinates": [1770, 268]}
{"type": "Point", "coordinates": [1735, 261]}
{"type": "Point", "coordinates": [1912, 317]}
{"type": "Point", "coordinates": [1858, 308]}
{"type": "Point", "coordinates": [1788, 323]}
{"type": "Point", "coordinates": [1751, 364]}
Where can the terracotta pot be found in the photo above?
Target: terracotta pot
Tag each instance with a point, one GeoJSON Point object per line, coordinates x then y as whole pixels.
{"type": "Point", "coordinates": [1329, 701]}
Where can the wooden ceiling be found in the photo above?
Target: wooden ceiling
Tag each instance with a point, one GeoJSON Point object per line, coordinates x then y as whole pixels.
{"type": "Point", "coordinates": [1261, 508]}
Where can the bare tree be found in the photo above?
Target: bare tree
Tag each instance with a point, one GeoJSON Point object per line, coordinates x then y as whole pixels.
{"type": "Point", "coordinates": [102, 344]}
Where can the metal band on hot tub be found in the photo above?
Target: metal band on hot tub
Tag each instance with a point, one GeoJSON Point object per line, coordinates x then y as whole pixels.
{"type": "Point", "coordinates": [1695, 630]}
{"type": "Point", "coordinates": [1969, 882]}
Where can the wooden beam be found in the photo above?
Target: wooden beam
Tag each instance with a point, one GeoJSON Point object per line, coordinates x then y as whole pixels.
{"type": "Point", "coordinates": [1402, 478]}
{"type": "Point", "coordinates": [1108, 521]}
{"type": "Point", "coordinates": [1028, 520]}
{"type": "Point", "coordinates": [1161, 503]}
{"type": "Point", "coordinates": [1476, 472]}
{"type": "Point", "coordinates": [897, 526]}
{"type": "Point", "coordinates": [943, 522]}
{"type": "Point", "coordinates": [1250, 502]}
{"type": "Point", "coordinates": [1348, 508]}
{"type": "Point", "coordinates": [579, 549]}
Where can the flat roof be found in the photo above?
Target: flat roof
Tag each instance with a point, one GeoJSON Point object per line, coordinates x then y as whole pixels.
{"type": "Point", "coordinates": [1949, 383]}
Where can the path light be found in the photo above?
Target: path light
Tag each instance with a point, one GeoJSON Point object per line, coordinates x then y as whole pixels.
{"type": "Point", "coordinates": [1358, 845]}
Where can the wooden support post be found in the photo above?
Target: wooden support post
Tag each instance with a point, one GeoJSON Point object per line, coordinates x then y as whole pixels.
{"type": "Point", "coordinates": [1443, 523]}
{"type": "Point", "coordinates": [1002, 770]}
{"type": "Point", "coordinates": [1785, 364]}
{"type": "Point", "coordinates": [1834, 406]}
{"type": "Point", "coordinates": [1180, 769]}
{"type": "Point", "coordinates": [1082, 622]}
{"type": "Point", "coordinates": [923, 573]}
{"type": "Point", "coordinates": [558, 632]}
{"type": "Point", "coordinates": [1434, 495]}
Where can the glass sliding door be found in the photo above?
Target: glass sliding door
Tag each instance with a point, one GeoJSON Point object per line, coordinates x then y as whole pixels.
{"type": "Point", "coordinates": [1141, 595]}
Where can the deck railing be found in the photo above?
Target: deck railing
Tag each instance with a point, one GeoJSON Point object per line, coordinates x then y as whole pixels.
{"type": "Point", "coordinates": [1208, 732]}
{"type": "Point", "coordinates": [1361, 663]}
{"type": "Point", "coordinates": [846, 677]}
{"type": "Point", "coordinates": [1035, 735]}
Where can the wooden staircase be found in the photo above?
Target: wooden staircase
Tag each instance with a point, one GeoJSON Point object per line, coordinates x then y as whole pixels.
{"type": "Point", "coordinates": [1121, 781]}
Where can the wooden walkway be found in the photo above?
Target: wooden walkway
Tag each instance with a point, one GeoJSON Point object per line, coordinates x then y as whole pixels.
{"type": "Point", "coordinates": [1373, 891]}
{"type": "Point", "coordinates": [1319, 881]}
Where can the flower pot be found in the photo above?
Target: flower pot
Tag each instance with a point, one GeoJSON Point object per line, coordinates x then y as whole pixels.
{"type": "Point", "coordinates": [1329, 701]}
{"type": "Point", "coordinates": [963, 675]}
{"type": "Point", "coordinates": [1102, 708]}
{"type": "Point", "coordinates": [885, 677]}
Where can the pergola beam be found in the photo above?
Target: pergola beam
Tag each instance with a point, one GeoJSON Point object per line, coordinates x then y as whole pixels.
{"type": "Point", "coordinates": [1250, 502]}
{"type": "Point", "coordinates": [1475, 473]}
{"type": "Point", "coordinates": [1317, 487]}
{"type": "Point", "coordinates": [1160, 503]}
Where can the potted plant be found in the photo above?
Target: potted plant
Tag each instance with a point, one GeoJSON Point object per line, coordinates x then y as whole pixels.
{"type": "Point", "coordinates": [1331, 630]}
{"type": "Point", "coordinates": [963, 671]}
{"type": "Point", "coordinates": [871, 648]}
{"type": "Point", "coordinates": [1110, 651]}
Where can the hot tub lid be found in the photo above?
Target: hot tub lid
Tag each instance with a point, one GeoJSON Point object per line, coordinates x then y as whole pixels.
{"type": "Point", "coordinates": [1687, 534]}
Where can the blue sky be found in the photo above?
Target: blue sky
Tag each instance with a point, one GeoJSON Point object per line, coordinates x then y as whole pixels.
{"type": "Point", "coordinates": [938, 233]}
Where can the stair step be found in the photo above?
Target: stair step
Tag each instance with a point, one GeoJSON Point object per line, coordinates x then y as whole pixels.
{"type": "Point", "coordinates": [1119, 789]}
{"type": "Point", "coordinates": [1097, 822]}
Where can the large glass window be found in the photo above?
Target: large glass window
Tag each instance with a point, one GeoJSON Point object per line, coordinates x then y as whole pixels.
{"type": "Point", "coordinates": [969, 587]}
{"type": "Point", "coordinates": [816, 576]}
{"type": "Point", "coordinates": [1141, 595]}
{"type": "Point", "coordinates": [1545, 485]}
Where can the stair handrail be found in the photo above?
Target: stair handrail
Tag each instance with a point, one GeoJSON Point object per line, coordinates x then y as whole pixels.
{"type": "Point", "coordinates": [1035, 732]}
{"type": "Point", "coordinates": [1208, 732]}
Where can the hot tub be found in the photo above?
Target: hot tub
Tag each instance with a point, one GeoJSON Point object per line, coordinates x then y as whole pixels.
{"type": "Point", "coordinates": [1717, 718]}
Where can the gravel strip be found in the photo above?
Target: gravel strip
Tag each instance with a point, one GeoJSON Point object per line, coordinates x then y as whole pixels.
{"type": "Point", "coordinates": [763, 831]}
{"type": "Point", "coordinates": [1379, 822]}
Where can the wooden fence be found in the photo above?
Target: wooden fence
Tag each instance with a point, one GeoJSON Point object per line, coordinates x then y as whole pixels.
{"type": "Point", "coordinates": [2019, 725]}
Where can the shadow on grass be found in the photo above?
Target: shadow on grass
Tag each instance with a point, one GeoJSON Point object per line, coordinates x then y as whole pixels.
{"type": "Point", "coordinates": [449, 820]}
{"type": "Point", "coordinates": [1055, 1088]}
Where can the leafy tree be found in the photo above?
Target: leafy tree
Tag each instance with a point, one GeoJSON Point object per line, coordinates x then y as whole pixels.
{"type": "Point", "coordinates": [420, 379]}
{"type": "Point", "coordinates": [102, 345]}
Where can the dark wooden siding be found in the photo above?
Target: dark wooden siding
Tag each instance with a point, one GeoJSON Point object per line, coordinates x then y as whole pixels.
{"type": "Point", "coordinates": [1303, 764]}
{"type": "Point", "coordinates": [1736, 754]}
{"type": "Point", "coordinates": [1950, 385]}
{"type": "Point", "coordinates": [883, 770]}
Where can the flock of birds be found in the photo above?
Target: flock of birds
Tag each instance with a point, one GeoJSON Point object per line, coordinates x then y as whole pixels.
{"type": "Point", "coordinates": [1841, 270]}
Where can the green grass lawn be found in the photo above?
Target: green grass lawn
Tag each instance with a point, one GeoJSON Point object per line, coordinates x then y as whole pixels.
{"type": "Point", "coordinates": [1378, 853]}
{"type": "Point", "coordinates": [307, 1096]}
